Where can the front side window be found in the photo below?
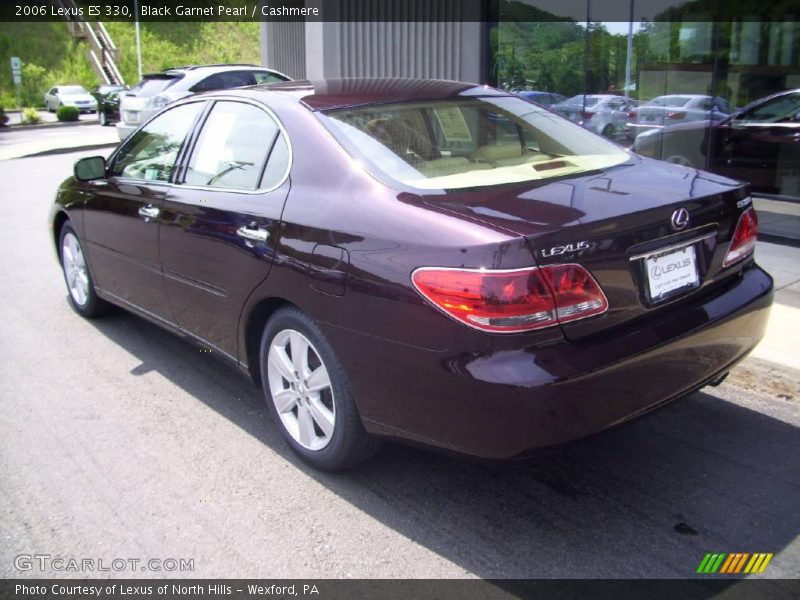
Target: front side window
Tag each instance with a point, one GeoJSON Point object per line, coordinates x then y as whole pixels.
{"type": "Point", "coordinates": [233, 147]}
{"type": "Point", "coordinates": [452, 144]}
{"type": "Point", "coordinates": [151, 152]}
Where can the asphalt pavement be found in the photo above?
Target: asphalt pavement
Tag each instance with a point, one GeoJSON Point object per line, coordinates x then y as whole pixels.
{"type": "Point", "coordinates": [119, 440]}
{"type": "Point", "coordinates": [15, 143]}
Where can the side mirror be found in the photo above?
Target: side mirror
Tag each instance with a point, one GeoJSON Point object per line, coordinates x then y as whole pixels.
{"type": "Point", "coordinates": [90, 168]}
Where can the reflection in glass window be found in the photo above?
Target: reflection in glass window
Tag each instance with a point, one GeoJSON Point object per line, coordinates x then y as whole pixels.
{"type": "Point", "coordinates": [151, 152]}
{"type": "Point", "coordinates": [780, 110]}
{"type": "Point", "coordinates": [232, 147]}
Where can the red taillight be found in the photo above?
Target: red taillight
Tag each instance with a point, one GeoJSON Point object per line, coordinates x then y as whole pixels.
{"type": "Point", "coordinates": [675, 115]}
{"type": "Point", "coordinates": [512, 301]}
{"type": "Point", "coordinates": [744, 237]}
{"type": "Point", "coordinates": [632, 114]}
{"type": "Point", "coordinates": [586, 115]}
{"type": "Point", "coordinates": [576, 292]}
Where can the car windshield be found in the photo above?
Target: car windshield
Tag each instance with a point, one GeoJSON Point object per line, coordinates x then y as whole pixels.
{"type": "Point", "coordinates": [578, 100]}
{"type": "Point", "coordinates": [72, 89]}
{"type": "Point", "coordinates": [150, 86]}
{"type": "Point", "coordinates": [456, 144]}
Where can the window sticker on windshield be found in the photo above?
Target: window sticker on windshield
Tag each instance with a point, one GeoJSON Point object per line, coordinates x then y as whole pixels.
{"type": "Point", "coordinates": [454, 126]}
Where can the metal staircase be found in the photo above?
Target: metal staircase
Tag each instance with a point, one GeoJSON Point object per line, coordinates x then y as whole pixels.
{"type": "Point", "coordinates": [102, 54]}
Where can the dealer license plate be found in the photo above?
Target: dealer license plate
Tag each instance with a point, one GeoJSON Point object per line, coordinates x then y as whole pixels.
{"type": "Point", "coordinates": [671, 271]}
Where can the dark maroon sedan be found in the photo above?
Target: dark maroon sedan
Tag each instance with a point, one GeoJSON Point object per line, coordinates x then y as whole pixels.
{"type": "Point", "coordinates": [431, 261]}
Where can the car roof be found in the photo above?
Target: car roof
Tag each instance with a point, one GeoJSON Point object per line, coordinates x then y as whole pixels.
{"type": "Point", "coordinates": [220, 67]}
{"type": "Point", "coordinates": [201, 70]}
{"type": "Point", "coordinates": [323, 94]}
{"type": "Point", "coordinates": [691, 96]}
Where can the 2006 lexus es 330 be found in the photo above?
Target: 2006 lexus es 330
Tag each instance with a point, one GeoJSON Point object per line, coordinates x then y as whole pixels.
{"type": "Point", "coordinates": [431, 261]}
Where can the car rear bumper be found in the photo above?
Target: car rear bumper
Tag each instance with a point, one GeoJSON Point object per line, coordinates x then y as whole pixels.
{"type": "Point", "coordinates": [500, 404]}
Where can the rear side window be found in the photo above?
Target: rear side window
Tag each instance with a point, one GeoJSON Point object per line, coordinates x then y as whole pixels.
{"type": "Point", "coordinates": [224, 81]}
{"type": "Point", "coordinates": [267, 77]}
{"type": "Point", "coordinates": [233, 148]}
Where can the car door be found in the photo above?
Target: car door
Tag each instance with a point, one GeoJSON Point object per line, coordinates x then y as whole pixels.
{"type": "Point", "coordinates": [762, 146]}
{"type": "Point", "coordinates": [220, 224]}
{"type": "Point", "coordinates": [122, 212]}
{"type": "Point", "coordinates": [51, 99]}
{"type": "Point", "coordinates": [618, 113]}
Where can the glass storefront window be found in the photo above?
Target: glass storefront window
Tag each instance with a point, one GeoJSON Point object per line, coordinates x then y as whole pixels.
{"type": "Point", "coordinates": [680, 75]}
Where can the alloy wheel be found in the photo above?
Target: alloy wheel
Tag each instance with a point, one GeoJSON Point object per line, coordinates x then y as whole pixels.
{"type": "Point", "coordinates": [74, 265]}
{"type": "Point", "coordinates": [301, 389]}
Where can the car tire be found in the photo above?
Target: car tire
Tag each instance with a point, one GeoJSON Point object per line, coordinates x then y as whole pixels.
{"type": "Point", "coordinates": [101, 116]}
{"type": "Point", "coordinates": [80, 286]}
{"type": "Point", "coordinates": [608, 132]}
{"type": "Point", "coordinates": [321, 425]}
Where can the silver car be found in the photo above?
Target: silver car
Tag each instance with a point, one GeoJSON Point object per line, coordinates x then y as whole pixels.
{"type": "Point", "coordinates": [678, 108]}
{"type": "Point", "coordinates": [605, 114]}
{"type": "Point", "coordinates": [70, 95]}
{"type": "Point", "coordinates": [157, 90]}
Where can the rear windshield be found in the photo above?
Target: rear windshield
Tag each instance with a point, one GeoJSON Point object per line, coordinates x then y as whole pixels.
{"type": "Point", "coordinates": [150, 86]}
{"type": "Point", "coordinates": [453, 144]}
{"type": "Point", "coordinates": [669, 101]}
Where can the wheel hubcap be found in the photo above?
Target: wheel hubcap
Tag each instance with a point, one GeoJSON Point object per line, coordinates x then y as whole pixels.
{"type": "Point", "coordinates": [301, 389]}
{"type": "Point", "coordinates": [75, 269]}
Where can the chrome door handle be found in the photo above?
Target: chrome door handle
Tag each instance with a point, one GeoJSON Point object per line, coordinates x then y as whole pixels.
{"type": "Point", "coordinates": [255, 234]}
{"type": "Point", "coordinates": [149, 211]}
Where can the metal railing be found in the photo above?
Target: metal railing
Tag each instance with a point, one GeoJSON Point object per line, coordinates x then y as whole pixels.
{"type": "Point", "coordinates": [102, 54]}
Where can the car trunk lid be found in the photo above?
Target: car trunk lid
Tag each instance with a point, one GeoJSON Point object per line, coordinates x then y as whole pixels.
{"type": "Point", "coordinates": [617, 225]}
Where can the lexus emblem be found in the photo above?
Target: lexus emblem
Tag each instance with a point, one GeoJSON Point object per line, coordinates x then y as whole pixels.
{"type": "Point", "coordinates": [680, 219]}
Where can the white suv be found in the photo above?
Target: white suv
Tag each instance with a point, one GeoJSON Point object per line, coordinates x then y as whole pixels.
{"type": "Point", "coordinates": [157, 90]}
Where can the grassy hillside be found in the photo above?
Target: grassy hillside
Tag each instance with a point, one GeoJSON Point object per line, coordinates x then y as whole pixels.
{"type": "Point", "coordinates": [49, 56]}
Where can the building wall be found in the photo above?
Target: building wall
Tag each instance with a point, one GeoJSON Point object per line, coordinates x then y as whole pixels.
{"type": "Point", "coordinates": [362, 45]}
{"type": "Point", "coordinates": [283, 48]}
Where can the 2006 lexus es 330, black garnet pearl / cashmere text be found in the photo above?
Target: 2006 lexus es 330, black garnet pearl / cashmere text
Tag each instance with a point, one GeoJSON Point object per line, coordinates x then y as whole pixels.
{"type": "Point", "coordinates": [431, 261]}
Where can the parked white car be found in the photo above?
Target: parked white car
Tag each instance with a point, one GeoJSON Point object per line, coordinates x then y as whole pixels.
{"type": "Point", "coordinates": [678, 108]}
{"type": "Point", "coordinates": [606, 114]}
{"type": "Point", "coordinates": [157, 90]}
{"type": "Point", "coordinates": [69, 95]}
